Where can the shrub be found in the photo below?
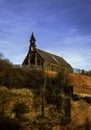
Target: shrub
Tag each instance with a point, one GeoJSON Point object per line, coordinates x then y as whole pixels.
{"type": "Point", "coordinates": [20, 108]}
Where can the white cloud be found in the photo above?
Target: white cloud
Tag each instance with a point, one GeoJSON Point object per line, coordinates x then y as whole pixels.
{"type": "Point", "coordinates": [72, 31]}
{"type": "Point", "coordinates": [78, 40]}
{"type": "Point", "coordinates": [76, 50]}
{"type": "Point", "coordinates": [17, 58]}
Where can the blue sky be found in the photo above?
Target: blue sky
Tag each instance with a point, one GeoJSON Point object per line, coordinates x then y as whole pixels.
{"type": "Point", "coordinates": [62, 27]}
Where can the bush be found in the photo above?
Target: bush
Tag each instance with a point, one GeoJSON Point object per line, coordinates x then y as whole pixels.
{"type": "Point", "coordinates": [20, 108]}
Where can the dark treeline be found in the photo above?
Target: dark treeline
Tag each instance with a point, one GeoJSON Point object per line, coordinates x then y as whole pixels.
{"type": "Point", "coordinates": [82, 72]}
{"type": "Point", "coordinates": [13, 77]}
{"type": "Point", "coordinates": [19, 77]}
{"type": "Point", "coordinates": [88, 73]}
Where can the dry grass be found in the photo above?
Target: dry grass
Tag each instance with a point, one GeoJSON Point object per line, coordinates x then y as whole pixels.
{"type": "Point", "coordinates": [80, 117]}
{"type": "Point", "coordinates": [81, 83]}
{"type": "Point", "coordinates": [9, 97]}
{"type": "Point", "coordinates": [51, 73]}
{"type": "Point", "coordinates": [80, 110]}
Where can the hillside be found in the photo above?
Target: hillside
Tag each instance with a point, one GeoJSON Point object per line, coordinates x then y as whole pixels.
{"type": "Point", "coordinates": [81, 83]}
{"type": "Point", "coordinates": [80, 112]}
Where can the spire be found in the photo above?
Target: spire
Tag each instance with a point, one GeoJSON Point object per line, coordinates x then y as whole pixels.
{"type": "Point", "coordinates": [32, 43]}
{"type": "Point", "coordinates": [32, 39]}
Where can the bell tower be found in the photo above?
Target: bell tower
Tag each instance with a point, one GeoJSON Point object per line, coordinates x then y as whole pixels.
{"type": "Point", "coordinates": [32, 55]}
{"type": "Point", "coordinates": [32, 43]}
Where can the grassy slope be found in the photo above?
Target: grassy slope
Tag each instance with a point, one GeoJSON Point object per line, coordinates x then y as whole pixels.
{"type": "Point", "coordinates": [81, 83]}
{"type": "Point", "coordinates": [80, 111]}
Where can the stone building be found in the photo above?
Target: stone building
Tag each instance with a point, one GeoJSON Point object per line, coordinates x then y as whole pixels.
{"type": "Point", "coordinates": [43, 59]}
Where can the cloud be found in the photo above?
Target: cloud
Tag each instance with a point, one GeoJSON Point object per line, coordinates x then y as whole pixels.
{"type": "Point", "coordinates": [17, 58]}
{"type": "Point", "coordinates": [76, 49]}
{"type": "Point", "coordinates": [78, 41]}
{"type": "Point", "coordinates": [77, 60]}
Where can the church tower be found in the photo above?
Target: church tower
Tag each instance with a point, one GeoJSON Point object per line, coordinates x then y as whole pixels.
{"type": "Point", "coordinates": [32, 43]}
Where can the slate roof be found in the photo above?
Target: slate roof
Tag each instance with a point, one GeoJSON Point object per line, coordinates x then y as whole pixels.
{"type": "Point", "coordinates": [53, 58]}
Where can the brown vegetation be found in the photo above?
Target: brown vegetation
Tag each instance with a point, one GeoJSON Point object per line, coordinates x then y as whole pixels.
{"type": "Point", "coordinates": [32, 119]}
{"type": "Point", "coordinates": [37, 100]}
{"type": "Point", "coordinates": [81, 83]}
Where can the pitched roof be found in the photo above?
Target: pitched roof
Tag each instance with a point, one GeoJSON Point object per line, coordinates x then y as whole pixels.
{"type": "Point", "coordinates": [53, 58]}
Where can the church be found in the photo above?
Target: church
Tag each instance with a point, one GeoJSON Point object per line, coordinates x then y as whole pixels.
{"type": "Point", "coordinates": [45, 60]}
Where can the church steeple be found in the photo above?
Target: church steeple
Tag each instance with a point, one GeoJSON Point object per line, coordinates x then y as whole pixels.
{"type": "Point", "coordinates": [32, 43]}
